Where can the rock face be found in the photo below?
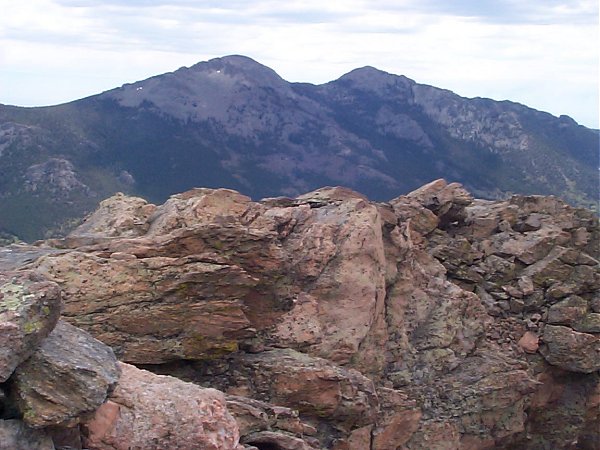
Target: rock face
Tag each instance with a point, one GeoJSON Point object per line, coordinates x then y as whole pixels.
{"type": "Point", "coordinates": [55, 175]}
{"type": "Point", "coordinates": [432, 321]}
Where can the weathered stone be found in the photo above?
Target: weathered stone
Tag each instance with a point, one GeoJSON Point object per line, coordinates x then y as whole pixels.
{"type": "Point", "coordinates": [447, 201]}
{"type": "Point", "coordinates": [157, 309]}
{"type": "Point", "coordinates": [586, 278]}
{"type": "Point", "coordinates": [484, 217]}
{"type": "Point", "coordinates": [277, 440]}
{"type": "Point", "coordinates": [530, 247]}
{"type": "Point", "coordinates": [435, 435]}
{"type": "Point", "coordinates": [70, 374]}
{"type": "Point", "coordinates": [590, 323]}
{"type": "Point", "coordinates": [154, 412]}
{"type": "Point", "coordinates": [517, 305]}
{"type": "Point", "coordinates": [529, 342]}
{"type": "Point", "coordinates": [314, 386]}
{"type": "Point", "coordinates": [549, 269]}
{"type": "Point", "coordinates": [399, 419]}
{"type": "Point", "coordinates": [498, 270]}
{"type": "Point", "coordinates": [571, 350]}
{"type": "Point", "coordinates": [15, 435]}
{"type": "Point", "coordinates": [563, 410]}
{"type": "Point", "coordinates": [580, 237]}
{"type": "Point", "coordinates": [558, 290]}
{"type": "Point", "coordinates": [338, 252]}
{"type": "Point", "coordinates": [359, 438]}
{"type": "Point", "coordinates": [534, 301]}
{"type": "Point", "coordinates": [253, 416]}
{"type": "Point", "coordinates": [533, 221]}
{"type": "Point", "coordinates": [117, 216]}
{"type": "Point", "coordinates": [526, 285]}
{"type": "Point", "coordinates": [422, 220]}
{"type": "Point", "coordinates": [444, 299]}
{"type": "Point", "coordinates": [491, 405]}
{"type": "Point", "coordinates": [29, 310]}
{"type": "Point", "coordinates": [568, 311]}
{"type": "Point", "coordinates": [67, 438]}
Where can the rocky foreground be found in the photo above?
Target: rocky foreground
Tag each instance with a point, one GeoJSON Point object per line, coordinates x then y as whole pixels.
{"type": "Point", "coordinates": [434, 321]}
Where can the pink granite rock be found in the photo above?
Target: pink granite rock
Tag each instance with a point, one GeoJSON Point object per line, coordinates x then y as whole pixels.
{"type": "Point", "coordinates": [154, 412]}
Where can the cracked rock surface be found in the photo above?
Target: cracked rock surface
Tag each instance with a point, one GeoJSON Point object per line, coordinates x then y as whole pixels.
{"type": "Point", "coordinates": [328, 321]}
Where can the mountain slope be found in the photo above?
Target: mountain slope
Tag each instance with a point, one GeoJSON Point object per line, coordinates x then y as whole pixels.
{"type": "Point", "coordinates": [232, 122]}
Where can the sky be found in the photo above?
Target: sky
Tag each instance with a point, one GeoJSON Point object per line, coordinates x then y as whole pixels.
{"type": "Point", "coordinates": [542, 53]}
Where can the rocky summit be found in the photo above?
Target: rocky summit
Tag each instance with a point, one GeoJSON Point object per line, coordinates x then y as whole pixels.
{"type": "Point", "coordinates": [324, 321]}
{"type": "Point", "coordinates": [232, 122]}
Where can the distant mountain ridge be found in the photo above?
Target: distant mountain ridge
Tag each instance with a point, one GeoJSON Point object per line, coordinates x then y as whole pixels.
{"type": "Point", "coordinates": [232, 122]}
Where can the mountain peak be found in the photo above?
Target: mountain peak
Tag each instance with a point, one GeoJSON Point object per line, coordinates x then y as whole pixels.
{"type": "Point", "coordinates": [234, 60]}
{"type": "Point", "coordinates": [239, 66]}
{"type": "Point", "coordinates": [366, 70]}
{"type": "Point", "coordinates": [199, 91]}
{"type": "Point", "coordinates": [369, 78]}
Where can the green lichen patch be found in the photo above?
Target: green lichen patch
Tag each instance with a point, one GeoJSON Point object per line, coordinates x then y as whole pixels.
{"type": "Point", "coordinates": [32, 327]}
{"type": "Point", "coordinates": [13, 296]}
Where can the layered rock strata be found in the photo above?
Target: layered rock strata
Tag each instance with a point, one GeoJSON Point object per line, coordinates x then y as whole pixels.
{"type": "Point", "coordinates": [434, 320]}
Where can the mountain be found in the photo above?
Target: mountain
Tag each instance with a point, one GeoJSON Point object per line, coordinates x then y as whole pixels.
{"type": "Point", "coordinates": [232, 122]}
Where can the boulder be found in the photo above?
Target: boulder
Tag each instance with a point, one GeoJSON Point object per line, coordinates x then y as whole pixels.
{"type": "Point", "coordinates": [568, 311]}
{"type": "Point", "coordinates": [571, 350]}
{"type": "Point", "coordinates": [29, 310]}
{"type": "Point", "coordinates": [117, 216]}
{"type": "Point", "coordinates": [154, 412]}
{"type": "Point", "coordinates": [199, 207]}
{"type": "Point", "coordinates": [447, 201]}
{"type": "Point", "coordinates": [210, 253]}
{"type": "Point", "coordinates": [69, 375]}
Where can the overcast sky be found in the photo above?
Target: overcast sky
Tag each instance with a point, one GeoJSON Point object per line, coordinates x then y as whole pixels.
{"type": "Point", "coordinates": [543, 53]}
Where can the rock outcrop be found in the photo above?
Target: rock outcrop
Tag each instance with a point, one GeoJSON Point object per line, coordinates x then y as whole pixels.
{"type": "Point", "coordinates": [57, 176]}
{"type": "Point", "coordinates": [331, 322]}
{"type": "Point", "coordinates": [61, 388]}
